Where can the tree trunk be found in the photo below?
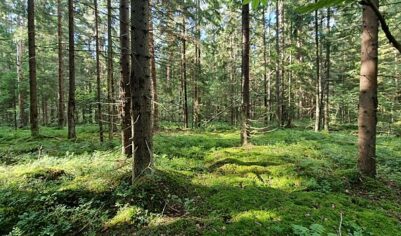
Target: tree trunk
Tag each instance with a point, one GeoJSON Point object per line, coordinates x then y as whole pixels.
{"type": "Point", "coordinates": [196, 109]}
{"type": "Point", "coordinates": [318, 79]}
{"type": "Point", "coordinates": [33, 97]}
{"type": "Point", "coordinates": [184, 73]}
{"type": "Point", "coordinates": [327, 80]}
{"type": "Point", "coordinates": [23, 119]}
{"type": "Point", "coordinates": [278, 65]}
{"type": "Point", "coordinates": [265, 72]}
{"type": "Point", "coordinates": [98, 85]}
{"type": "Point", "coordinates": [71, 90]}
{"type": "Point", "coordinates": [61, 108]}
{"type": "Point", "coordinates": [125, 92]}
{"type": "Point", "coordinates": [155, 105]}
{"type": "Point", "coordinates": [141, 89]}
{"type": "Point", "coordinates": [368, 101]}
{"type": "Point", "coordinates": [110, 77]}
{"type": "Point", "coordinates": [245, 75]}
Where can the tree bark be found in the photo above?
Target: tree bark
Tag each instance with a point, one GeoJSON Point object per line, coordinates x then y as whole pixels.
{"type": "Point", "coordinates": [33, 97]}
{"type": "Point", "coordinates": [184, 73]}
{"type": "Point", "coordinates": [368, 101]}
{"type": "Point", "coordinates": [98, 85]}
{"type": "Point", "coordinates": [265, 72]}
{"type": "Point", "coordinates": [23, 119]}
{"type": "Point", "coordinates": [110, 77]}
{"type": "Point", "coordinates": [197, 74]}
{"type": "Point", "coordinates": [125, 92]}
{"type": "Point", "coordinates": [155, 105]}
{"type": "Point", "coordinates": [141, 89]}
{"type": "Point", "coordinates": [61, 107]}
{"type": "Point", "coordinates": [279, 110]}
{"type": "Point", "coordinates": [327, 80]}
{"type": "Point", "coordinates": [71, 90]}
{"type": "Point", "coordinates": [318, 78]}
{"type": "Point", "coordinates": [245, 75]}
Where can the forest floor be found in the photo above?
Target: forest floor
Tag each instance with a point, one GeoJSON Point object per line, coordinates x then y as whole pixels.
{"type": "Point", "coordinates": [288, 182]}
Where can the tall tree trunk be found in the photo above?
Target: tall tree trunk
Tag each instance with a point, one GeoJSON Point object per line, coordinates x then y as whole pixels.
{"type": "Point", "coordinates": [368, 101]}
{"type": "Point", "coordinates": [184, 73]}
{"type": "Point", "coordinates": [61, 108]}
{"type": "Point", "coordinates": [141, 89]}
{"type": "Point", "coordinates": [317, 84]}
{"type": "Point", "coordinates": [245, 75]}
{"type": "Point", "coordinates": [196, 109]}
{"type": "Point", "coordinates": [110, 77]}
{"type": "Point", "coordinates": [33, 96]}
{"type": "Point", "coordinates": [23, 119]}
{"type": "Point", "coordinates": [265, 72]}
{"type": "Point", "coordinates": [327, 80]}
{"type": "Point", "coordinates": [278, 65]}
{"type": "Point", "coordinates": [71, 89]}
{"type": "Point", "coordinates": [125, 91]}
{"type": "Point", "coordinates": [98, 85]}
{"type": "Point", "coordinates": [155, 105]}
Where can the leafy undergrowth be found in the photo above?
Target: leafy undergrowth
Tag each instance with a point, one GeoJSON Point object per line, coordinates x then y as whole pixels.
{"type": "Point", "coordinates": [289, 182]}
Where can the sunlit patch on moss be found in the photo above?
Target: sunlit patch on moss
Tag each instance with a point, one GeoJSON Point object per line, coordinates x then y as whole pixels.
{"type": "Point", "coordinates": [256, 215]}
{"type": "Point", "coordinates": [124, 215]}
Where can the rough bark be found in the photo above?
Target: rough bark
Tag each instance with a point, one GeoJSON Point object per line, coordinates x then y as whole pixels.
{"type": "Point", "coordinates": [125, 93]}
{"type": "Point", "coordinates": [245, 76]}
{"type": "Point", "coordinates": [368, 101]}
{"type": "Point", "coordinates": [32, 70]}
{"type": "Point", "coordinates": [71, 87]}
{"type": "Point", "coordinates": [141, 89]}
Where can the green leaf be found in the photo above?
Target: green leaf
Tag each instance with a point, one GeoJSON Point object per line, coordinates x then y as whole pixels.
{"type": "Point", "coordinates": [255, 4]}
{"type": "Point", "coordinates": [321, 4]}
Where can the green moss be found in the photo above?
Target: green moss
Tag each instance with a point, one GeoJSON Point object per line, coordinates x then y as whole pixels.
{"type": "Point", "coordinates": [288, 181]}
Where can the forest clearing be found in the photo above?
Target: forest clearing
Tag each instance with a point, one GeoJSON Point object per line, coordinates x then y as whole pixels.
{"type": "Point", "coordinates": [194, 117]}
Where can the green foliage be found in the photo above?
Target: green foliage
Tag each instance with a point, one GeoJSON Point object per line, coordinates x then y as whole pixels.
{"type": "Point", "coordinates": [322, 4]}
{"type": "Point", "coordinates": [289, 182]}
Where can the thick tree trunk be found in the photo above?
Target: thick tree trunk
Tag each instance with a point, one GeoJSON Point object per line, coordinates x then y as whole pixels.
{"type": "Point", "coordinates": [368, 101]}
{"type": "Point", "coordinates": [71, 89]}
{"type": "Point", "coordinates": [33, 97]}
{"type": "Point", "coordinates": [155, 105]}
{"type": "Point", "coordinates": [245, 75]}
{"type": "Point", "coordinates": [98, 85]}
{"type": "Point", "coordinates": [110, 77]}
{"type": "Point", "coordinates": [61, 107]}
{"type": "Point", "coordinates": [125, 91]}
{"type": "Point", "coordinates": [141, 89]}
